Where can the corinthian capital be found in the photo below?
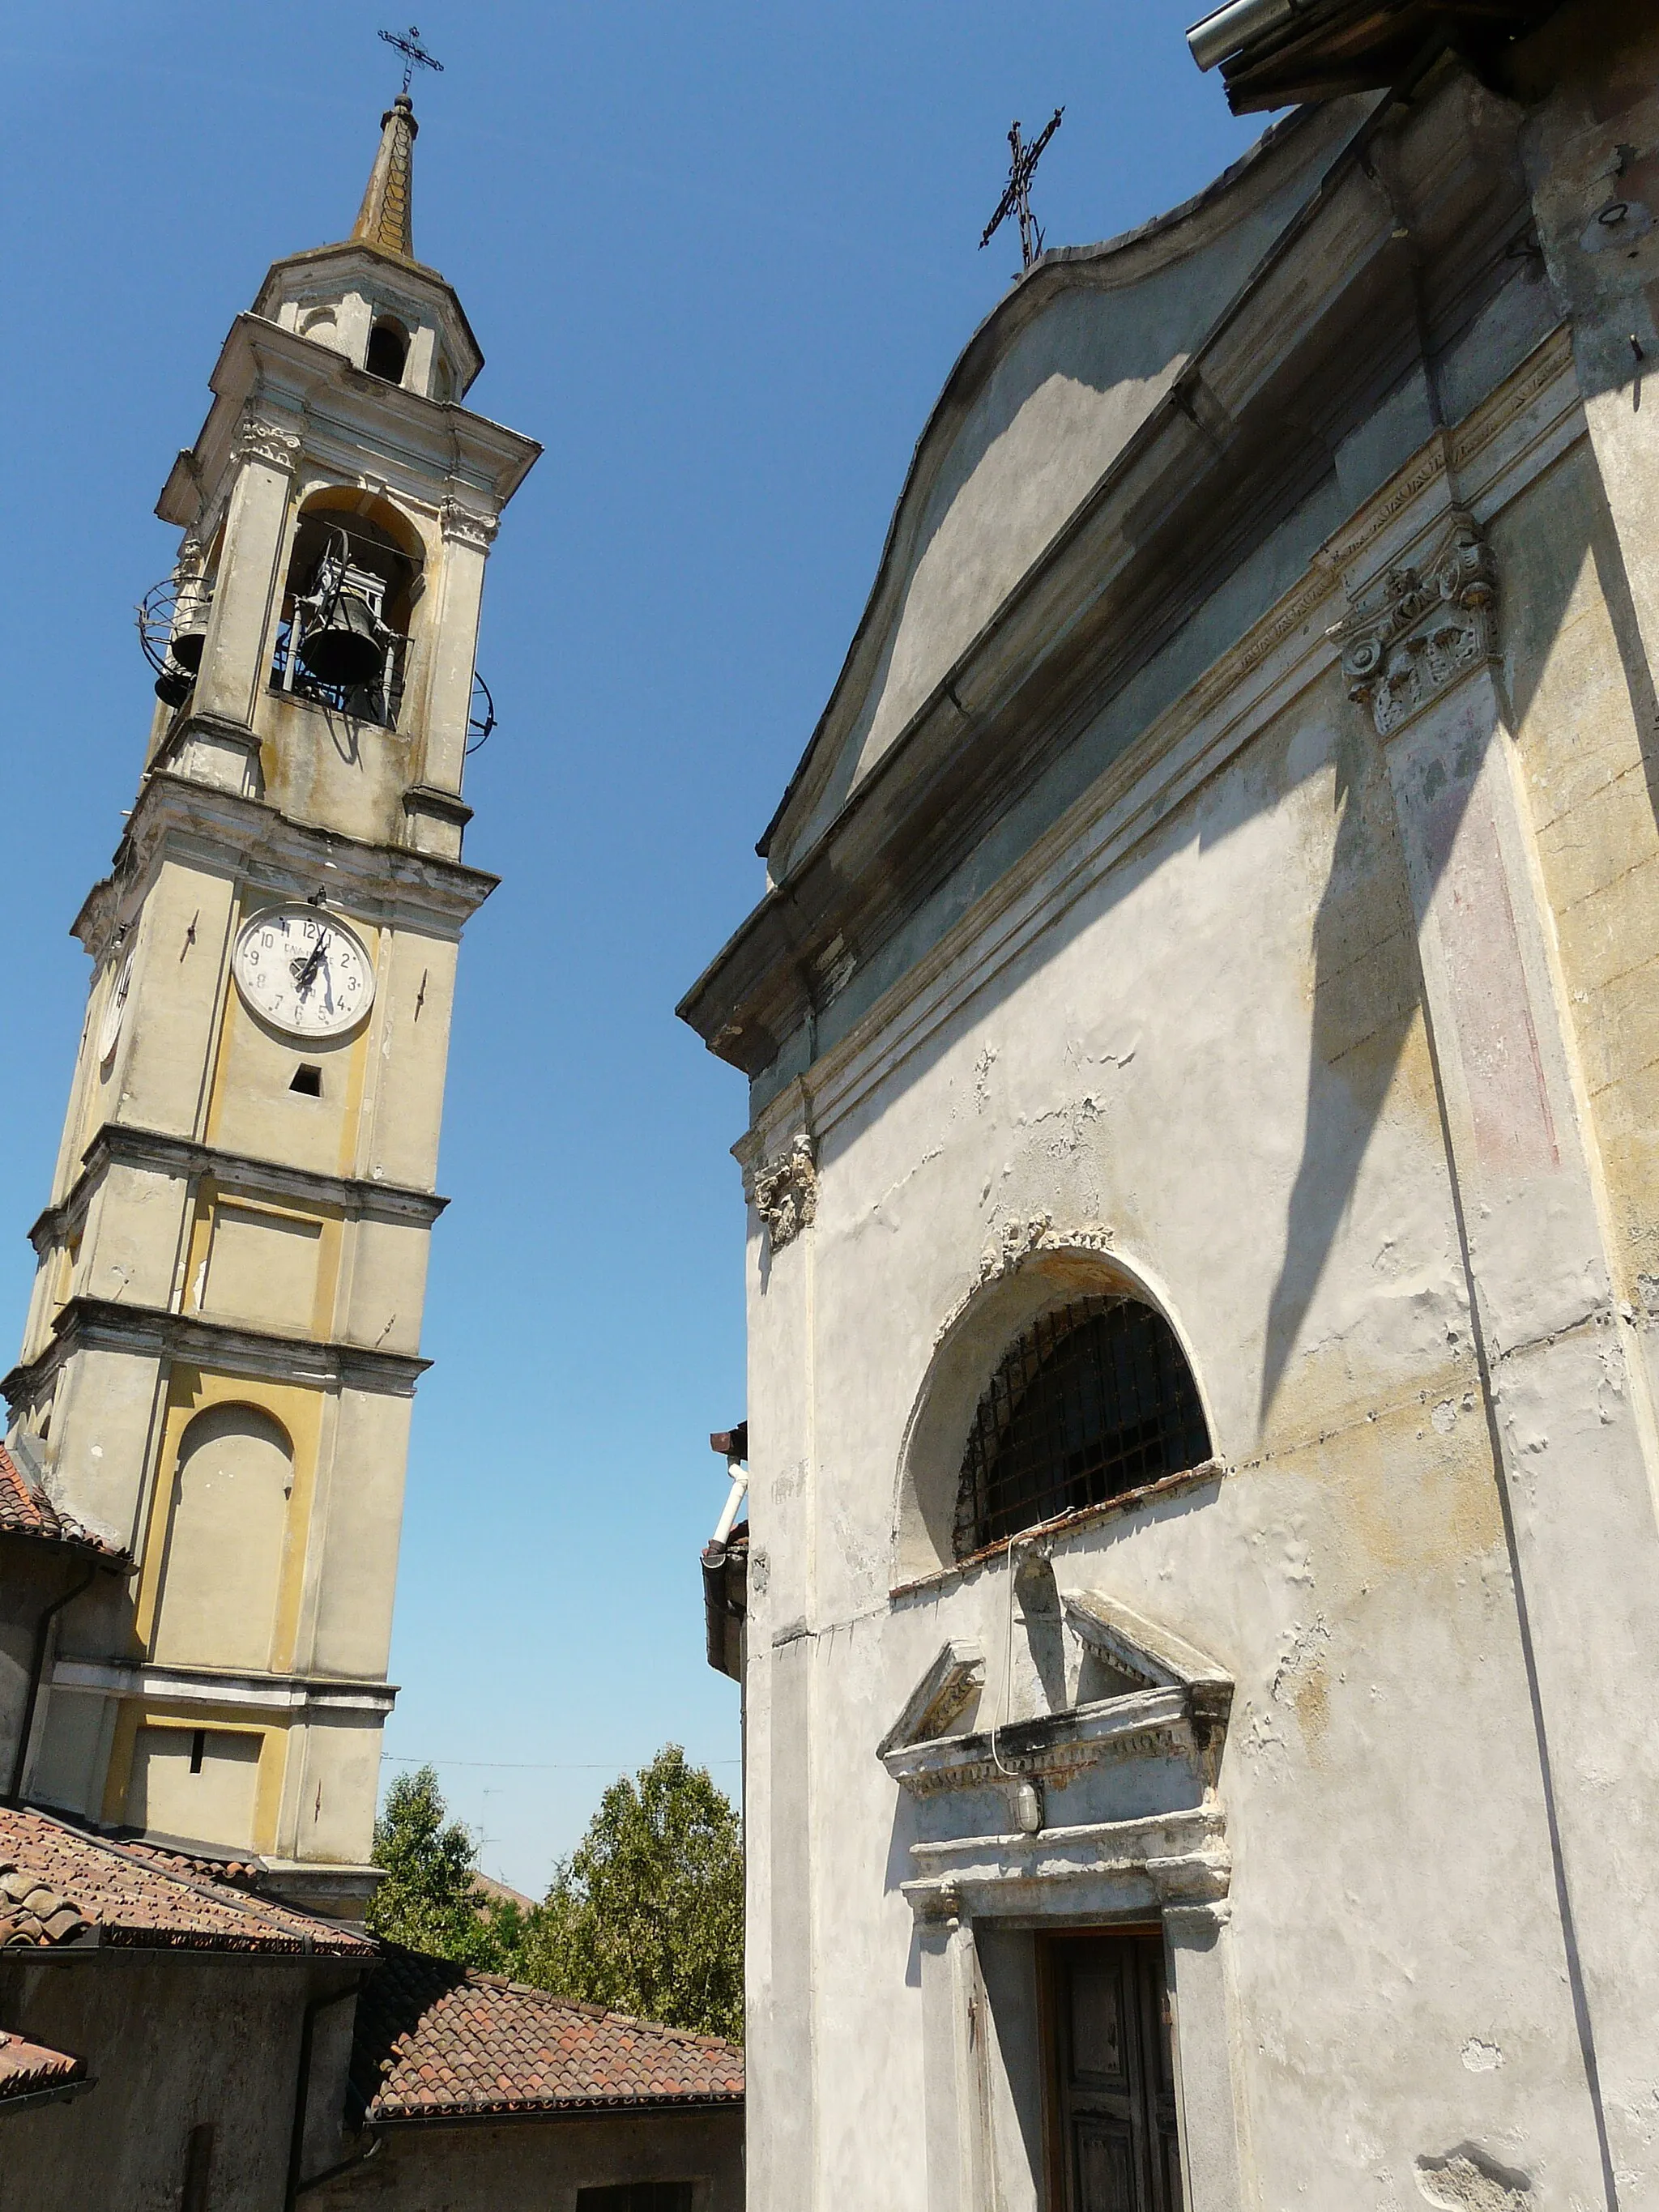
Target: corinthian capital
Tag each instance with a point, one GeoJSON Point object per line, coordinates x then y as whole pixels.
{"type": "Point", "coordinates": [465, 526]}
{"type": "Point", "coordinates": [259, 441]}
{"type": "Point", "coordinates": [1428, 627]}
{"type": "Point", "coordinates": [785, 1190]}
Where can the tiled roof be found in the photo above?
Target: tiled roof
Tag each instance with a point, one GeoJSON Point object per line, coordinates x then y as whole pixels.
{"type": "Point", "coordinates": [434, 2040]}
{"type": "Point", "coordinates": [28, 2067]}
{"type": "Point", "coordinates": [58, 1885]}
{"type": "Point", "coordinates": [25, 2067]}
{"type": "Point", "coordinates": [26, 1510]}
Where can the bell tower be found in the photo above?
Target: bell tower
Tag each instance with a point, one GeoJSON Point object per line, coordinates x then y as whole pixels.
{"type": "Point", "coordinates": [224, 1338]}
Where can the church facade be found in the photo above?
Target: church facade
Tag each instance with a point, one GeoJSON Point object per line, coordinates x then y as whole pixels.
{"type": "Point", "coordinates": [1198, 1611]}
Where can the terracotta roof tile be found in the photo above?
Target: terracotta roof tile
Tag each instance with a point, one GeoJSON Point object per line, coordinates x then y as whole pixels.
{"type": "Point", "coordinates": [58, 1885]}
{"type": "Point", "coordinates": [26, 1510]}
{"type": "Point", "coordinates": [28, 2067]}
{"type": "Point", "coordinates": [434, 2038]}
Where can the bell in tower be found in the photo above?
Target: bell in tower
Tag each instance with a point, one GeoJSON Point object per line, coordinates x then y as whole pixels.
{"type": "Point", "coordinates": [224, 1341]}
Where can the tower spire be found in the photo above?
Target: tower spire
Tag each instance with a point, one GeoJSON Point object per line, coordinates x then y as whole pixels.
{"type": "Point", "coordinates": [386, 219]}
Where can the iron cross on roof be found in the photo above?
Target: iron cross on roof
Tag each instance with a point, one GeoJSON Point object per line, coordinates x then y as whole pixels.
{"type": "Point", "coordinates": [1016, 200]}
{"type": "Point", "coordinates": [414, 55]}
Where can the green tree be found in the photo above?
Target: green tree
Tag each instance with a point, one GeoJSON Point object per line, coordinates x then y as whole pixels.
{"type": "Point", "coordinates": [428, 1897]}
{"type": "Point", "coordinates": [646, 1916]}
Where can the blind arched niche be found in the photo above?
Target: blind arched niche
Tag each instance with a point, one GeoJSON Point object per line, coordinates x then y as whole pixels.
{"type": "Point", "coordinates": [222, 1567]}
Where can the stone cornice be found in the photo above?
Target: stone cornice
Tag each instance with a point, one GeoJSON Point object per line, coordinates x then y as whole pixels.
{"type": "Point", "coordinates": [1215, 466]}
{"type": "Point", "coordinates": [1054, 1749]}
{"type": "Point", "coordinates": [425, 448]}
{"type": "Point", "coordinates": [1519, 431]}
{"type": "Point", "coordinates": [429, 799]}
{"type": "Point", "coordinates": [1170, 1859]}
{"type": "Point", "coordinates": [290, 1694]}
{"type": "Point", "coordinates": [151, 1331]}
{"type": "Point", "coordinates": [118, 1144]}
{"type": "Point", "coordinates": [389, 883]}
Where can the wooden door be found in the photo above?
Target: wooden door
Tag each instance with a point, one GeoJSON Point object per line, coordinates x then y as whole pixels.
{"type": "Point", "coordinates": [1113, 2139]}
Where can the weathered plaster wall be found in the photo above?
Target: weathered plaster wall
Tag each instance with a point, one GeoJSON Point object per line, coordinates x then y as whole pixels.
{"type": "Point", "coordinates": [1587, 733]}
{"type": "Point", "coordinates": [1211, 1071]}
{"type": "Point", "coordinates": [532, 2164]}
{"type": "Point", "coordinates": [175, 2042]}
{"type": "Point", "coordinates": [1302, 982]}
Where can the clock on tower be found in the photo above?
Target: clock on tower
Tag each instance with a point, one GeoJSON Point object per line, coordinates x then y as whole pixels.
{"type": "Point", "coordinates": [224, 1338]}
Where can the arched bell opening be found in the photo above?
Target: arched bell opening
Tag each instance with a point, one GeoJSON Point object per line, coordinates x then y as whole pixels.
{"type": "Point", "coordinates": [354, 578]}
{"type": "Point", "coordinates": [388, 349]}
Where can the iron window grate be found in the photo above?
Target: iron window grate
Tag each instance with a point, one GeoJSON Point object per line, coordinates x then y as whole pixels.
{"type": "Point", "coordinates": [1094, 1398]}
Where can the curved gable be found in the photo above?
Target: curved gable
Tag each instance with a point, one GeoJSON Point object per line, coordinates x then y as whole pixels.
{"type": "Point", "coordinates": [1050, 391]}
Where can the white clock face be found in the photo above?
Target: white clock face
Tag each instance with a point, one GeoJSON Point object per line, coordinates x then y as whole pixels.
{"type": "Point", "coordinates": [302, 970]}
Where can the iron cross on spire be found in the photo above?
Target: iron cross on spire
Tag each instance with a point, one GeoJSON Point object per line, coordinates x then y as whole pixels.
{"type": "Point", "coordinates": [1016, 200]}
{"type": "Point", "coordinates": [414, 55]}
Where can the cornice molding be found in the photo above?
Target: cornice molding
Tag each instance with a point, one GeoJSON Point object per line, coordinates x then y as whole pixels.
{"type": "Point", "coordinates": [296, 1694]}
{"type": "Point", "coordinates": [1055, 1749]}
{"type": "Point", "coordinates": [1518, 432]}
{"type": "Point", "coordinates": [1140, 557]}
{"type": "Point", "coordinates": [1171, 1859]}
{"type": "Point", "coordinates": [388, 883]}
{"type": "Point", "coordinates": [86, 1324]}
{"type": "Point", "coordinates": [440, 805]}
{"type": "Point", "coordinates": [351, 422]}
{"type": "Point", "coordinates": [121, 1145]}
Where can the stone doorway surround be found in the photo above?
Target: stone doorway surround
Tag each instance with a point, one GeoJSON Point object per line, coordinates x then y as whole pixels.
{"type": "Point", "coordinates": [1159, 1740]}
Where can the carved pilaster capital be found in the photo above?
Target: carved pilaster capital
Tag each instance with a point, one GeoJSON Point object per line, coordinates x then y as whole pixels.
{"type": "Point", "coordinates": [259, 441]}
{"type": "Point", "coordinates": [464, 525]}
{"type": "Point", "coordinates": [784, 1190]}
{"type": "Point", "coordinates": [1428, 627]}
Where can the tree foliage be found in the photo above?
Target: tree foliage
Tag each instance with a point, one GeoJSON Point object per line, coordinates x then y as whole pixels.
{"type": "Point", "coordinates": [429, 1897]}
{"type": "Point", "coordinates": [646, 1916]}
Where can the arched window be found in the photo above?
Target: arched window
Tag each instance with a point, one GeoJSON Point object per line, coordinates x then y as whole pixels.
{"type": "Point", "coordinates": [224, 1562]}
{"type": "Point", "coordinates": [388, 349]}
{"type": "Point", "coordinates": [1094, 1398]}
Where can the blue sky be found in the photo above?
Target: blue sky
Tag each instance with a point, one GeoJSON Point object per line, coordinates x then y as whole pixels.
{"type": "Point", "coordinates": [721, 259]}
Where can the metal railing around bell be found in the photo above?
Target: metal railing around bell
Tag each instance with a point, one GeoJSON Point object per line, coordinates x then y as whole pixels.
{"type": "Point", "coordinates": [172, 625]}
{"type": "Point", "coordinates": [173, 648]}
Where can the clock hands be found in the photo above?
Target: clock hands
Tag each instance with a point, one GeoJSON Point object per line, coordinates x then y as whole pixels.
{"type": "Point", "coordinates": [304, 972]}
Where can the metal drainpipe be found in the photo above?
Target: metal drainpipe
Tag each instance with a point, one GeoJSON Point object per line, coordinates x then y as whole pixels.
{"type": "Point", "coordinates": [302, 2098]}
{"type": "Point", "coordinates": [1220, 34]}
{"type": "Point", "coordinates": [36, 1670]}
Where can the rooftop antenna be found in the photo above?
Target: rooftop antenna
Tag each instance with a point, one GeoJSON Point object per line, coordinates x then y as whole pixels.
{"type": "Point", "coordinates": [1016, 200]}
{"type": "Point", "coordinates": [414, 55]}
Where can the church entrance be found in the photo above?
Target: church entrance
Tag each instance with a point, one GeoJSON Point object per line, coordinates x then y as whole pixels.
{"type": "Point", "coordinates": [1112, 2133]}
